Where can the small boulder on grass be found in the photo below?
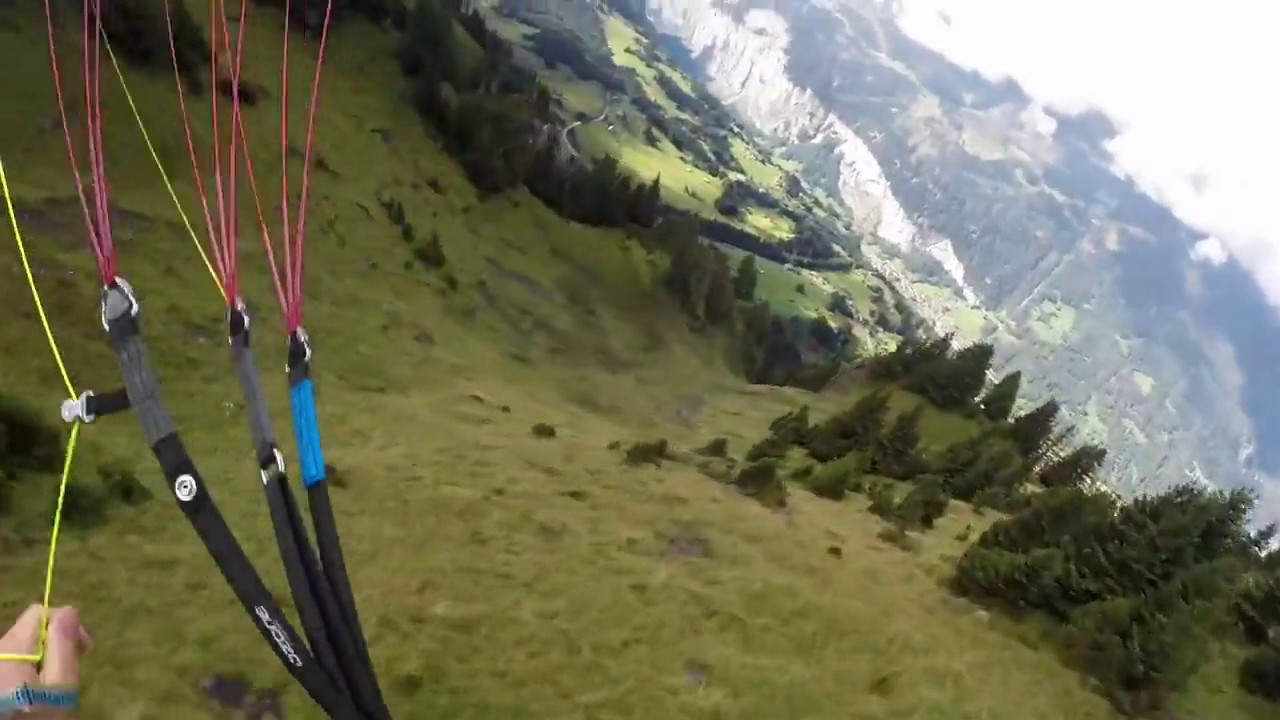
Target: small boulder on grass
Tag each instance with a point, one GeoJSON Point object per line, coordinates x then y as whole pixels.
{"type": "Point", "coordinates": [545, 431]}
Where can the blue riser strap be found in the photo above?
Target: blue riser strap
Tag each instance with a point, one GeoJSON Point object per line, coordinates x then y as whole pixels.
{"type": "Point", "coordinates": [306, 429]}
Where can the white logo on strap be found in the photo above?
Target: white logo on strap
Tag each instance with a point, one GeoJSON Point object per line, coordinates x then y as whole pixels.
{"type": "Point", "coordinates": [277, 634]}
{"type": "Point", "coordinates": [185, 488]}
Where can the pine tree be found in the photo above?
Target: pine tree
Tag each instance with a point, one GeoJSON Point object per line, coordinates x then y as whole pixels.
{"type": "Point", "coordinates": [652, 206]}
{"type": "Point", "coordinates": [1052, 448]}
{"type": "Point", "coordinates": [852, 430]}
{"type": "Point", "coordinates": [604, 179]}
{"type": "Point", "coordinates": [792, 427]}
{"type": "Point", "coordinates": [952, 383]}
{"type": "Point", "coordinates": [1000, 399]}
{"type": "Point", "coordinates": [932, 351]}
{"type": "Point", "coordinates": [640, 212]}
{"type": "Point", "coordinates": [896, 454]}
{"type": "Point", "coordinates": [959, 457]}
{"type": "Point", "coordinates": [543, 104]}
{"type": "Point", "coordinates": [745, 279]}
{"type": "Point", "coordinates": [752, 337]}
{"type": "Point", "coordinates": [996, 473]}
{"type": "Point", "coordinates": [719, 301]}
{"type": "Point", "coordinates": [1076, 468]}
{"type": "Point", "coordinates": [924, 504]}
{"type": "Point", "coordinates": [909, 356]}
{"type": "Point", "coordinates": [969, 375]}
{"type": "Point", "coordinates": [1031, 431]}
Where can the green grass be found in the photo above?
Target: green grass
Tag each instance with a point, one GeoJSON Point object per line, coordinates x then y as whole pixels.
{"type": "Point", "coordinates": [778, 286]}
{"type": "Point", "coordinates": [789, 292]}
{"type": "Point", "coordinates": [768, 224]}
{"type": "Point", "coordinates": [499, 575]}
{"type": "Point", "coordinates": [970, 323]}
{"type": "Point", "coordinates": [684, 185]}
{"type": "Point", "coordinates": [625, 43]}
{"type": "Point", "coordinates": [578, 96]}
{"type": "Point", "coordinates": [857, 283]}
{"type": "Point", "coordinates": [765, 174]}
{"type": "Point", "coordinates": [785, 163]}
{"type": "Point", "coordinates": [681, 80]}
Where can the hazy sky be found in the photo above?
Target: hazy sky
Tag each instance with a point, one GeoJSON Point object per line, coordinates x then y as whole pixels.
{"type": "Point", "coordinates": [1194, 86]}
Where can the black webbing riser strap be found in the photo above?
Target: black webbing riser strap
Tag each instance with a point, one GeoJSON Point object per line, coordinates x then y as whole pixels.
{"type": "Point", "coordinates": [275, 485]}
{"type": "Point", "coordinates": [354, 672]}
{"type": "Point", "coordinates": [327, 540]}
{"type": "Point", "coordinates": [321, 616]}
{"type": "Point", "coordinates": [119, 314]}
{"type": "Point", "coordinates": [107, 403]}
{"type": "Point", "coordinates": [90, 406]}
{"type": "Point", "coordinates": [331, 558]}
{"type": "Point", "coordinates": [281, 507]}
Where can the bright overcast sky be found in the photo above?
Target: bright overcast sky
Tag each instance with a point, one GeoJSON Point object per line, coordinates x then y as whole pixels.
{"type": "Point", "coordinates": [1194, 86]}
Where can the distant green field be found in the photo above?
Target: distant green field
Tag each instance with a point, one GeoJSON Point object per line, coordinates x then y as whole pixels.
{"type": "Point", "coordinates": [765, 174]}
{"type": "Point", "coordinates": [683, 184]}
{"type": "Point", "coordinates": [578, 96]}
{"type": "Point", "coordinates": [768, 224]}
{"type": "Point", "coordinates": [625, 43]}
{"type": "Point", "coordinates": [858, 284]}
{"type": "Point", "coordinates": [1053, 322]}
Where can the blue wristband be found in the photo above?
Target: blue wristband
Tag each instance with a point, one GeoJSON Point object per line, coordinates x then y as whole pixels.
{"type": "Point", "coordinates": [27, 698]}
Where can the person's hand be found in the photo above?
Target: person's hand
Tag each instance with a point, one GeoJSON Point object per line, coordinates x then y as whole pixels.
{"type": "Point", "coordinates": [60, 670]}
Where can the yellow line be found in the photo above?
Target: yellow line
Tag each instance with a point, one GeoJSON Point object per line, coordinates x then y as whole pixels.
{"type": "Point", "coordinates": [160, 166]}
{"type": "Point", "coordinates": [71, 442]}
{"type": "Point", "coordinates": [31, 281]}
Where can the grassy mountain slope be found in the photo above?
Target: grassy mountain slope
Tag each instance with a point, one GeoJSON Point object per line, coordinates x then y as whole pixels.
{"type": "Point", "coordinates": [499, 575]}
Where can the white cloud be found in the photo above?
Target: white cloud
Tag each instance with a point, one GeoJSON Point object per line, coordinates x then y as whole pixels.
{"type": "Point", "coordinates": [1191, 84]}
{"type": "Point", "coordinates": [1209, 250]}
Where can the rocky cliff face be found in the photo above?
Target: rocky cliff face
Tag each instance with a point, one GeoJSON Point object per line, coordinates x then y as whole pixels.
{"type": "Point", "coordinates": [1085, 281]}
{"type": "Point", "coordinates": [744, 57]}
